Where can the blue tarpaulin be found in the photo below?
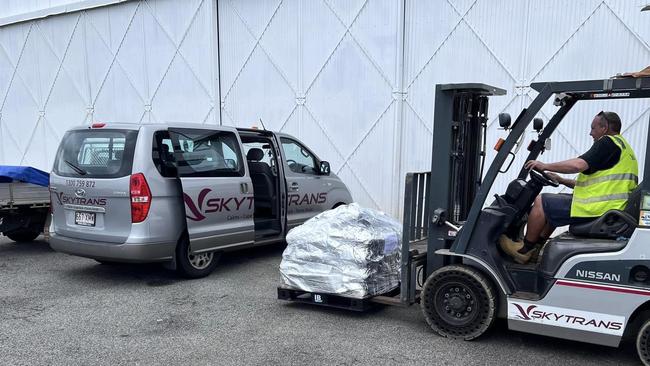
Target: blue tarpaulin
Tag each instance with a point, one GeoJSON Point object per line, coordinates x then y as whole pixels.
{"type": "Point", "coordinates": [25, 174]}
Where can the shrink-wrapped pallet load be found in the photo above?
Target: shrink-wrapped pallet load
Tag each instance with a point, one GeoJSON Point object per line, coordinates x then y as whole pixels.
{"type": "Point", "coordinates": [349, 251]}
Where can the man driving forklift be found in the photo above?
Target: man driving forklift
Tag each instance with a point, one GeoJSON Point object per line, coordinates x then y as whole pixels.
{"type": "Point", "coordinates": [608, 172]}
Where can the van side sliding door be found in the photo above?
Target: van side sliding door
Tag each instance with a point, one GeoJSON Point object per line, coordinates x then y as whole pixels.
{"type": "Point", "coordinates": [217, 189]}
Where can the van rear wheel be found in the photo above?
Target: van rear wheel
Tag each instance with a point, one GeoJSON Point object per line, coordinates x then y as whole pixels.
{"type": "Point", "coordinates": [195, 265]}
{"type": "Point", "coordinates": [643, 343]}
{"type": "Point", "coordinates": [458, 302]}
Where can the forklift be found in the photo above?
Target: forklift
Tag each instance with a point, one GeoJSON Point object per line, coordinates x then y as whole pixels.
{"type": "Point", "coordinates": [591, 284]}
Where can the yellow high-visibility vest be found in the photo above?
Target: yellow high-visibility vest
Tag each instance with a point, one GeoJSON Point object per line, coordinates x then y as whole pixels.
{"type": "Point", "coordinates": [609, 189]}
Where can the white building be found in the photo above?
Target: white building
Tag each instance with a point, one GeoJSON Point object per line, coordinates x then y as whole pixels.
{"type": "Point", "coordinates": [354, 79]}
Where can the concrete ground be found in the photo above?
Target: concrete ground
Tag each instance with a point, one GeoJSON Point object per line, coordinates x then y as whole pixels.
{"type": "Point", "coordinates": [64, 310]}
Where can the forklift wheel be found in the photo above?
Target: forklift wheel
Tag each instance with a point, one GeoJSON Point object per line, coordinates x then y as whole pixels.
{"type": "Point", "coordinates": [458, 302]}
{"type": "Point", "coordinates": [643, 343]}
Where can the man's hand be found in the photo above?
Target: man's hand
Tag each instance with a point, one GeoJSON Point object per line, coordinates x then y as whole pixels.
{"type": "Point", "coordinates": [535, 164]}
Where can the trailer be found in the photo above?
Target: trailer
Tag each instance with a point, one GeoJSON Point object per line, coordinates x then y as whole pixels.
{"type": "Point", "coordinates": [24, 202]}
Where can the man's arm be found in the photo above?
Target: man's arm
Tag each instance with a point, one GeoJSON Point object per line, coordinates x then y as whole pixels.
{"type": "Point", "coordinates": [571, 166]}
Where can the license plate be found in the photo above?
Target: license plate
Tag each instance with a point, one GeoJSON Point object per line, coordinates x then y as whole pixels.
{"type": "Point", "coordinates": [84, 218]}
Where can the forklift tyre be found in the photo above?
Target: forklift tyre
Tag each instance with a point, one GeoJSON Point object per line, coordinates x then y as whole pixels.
{"type": "Point", "coordinates": [643, 343]}
{"type": "Point", "coordinates": [458, 302]}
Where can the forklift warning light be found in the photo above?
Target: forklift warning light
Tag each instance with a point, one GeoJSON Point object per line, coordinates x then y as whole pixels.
{"type": "Point", "coordinates": [499, 143]}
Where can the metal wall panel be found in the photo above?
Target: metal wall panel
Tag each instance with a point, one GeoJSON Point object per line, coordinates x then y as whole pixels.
{"type": "Point", "coordinates": [511, 44]}
{"type": "Point", "coordinates": [136, 62]}
{"type": "Point", "coordinates": [352, 79]}
{"type": "Point", "coordinates": [324, 71]}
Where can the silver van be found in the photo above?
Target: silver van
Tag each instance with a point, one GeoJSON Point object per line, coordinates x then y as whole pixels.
{"type": "Point", "coordinates": [182, 194]}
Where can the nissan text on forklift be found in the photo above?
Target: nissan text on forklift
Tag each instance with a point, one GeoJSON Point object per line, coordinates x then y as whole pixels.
{"type": "Point", "coordinates": [590, 284]}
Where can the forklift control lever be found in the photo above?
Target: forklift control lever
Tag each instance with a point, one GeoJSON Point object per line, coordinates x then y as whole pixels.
{"type": "Point", "coordinates": [452, 226]}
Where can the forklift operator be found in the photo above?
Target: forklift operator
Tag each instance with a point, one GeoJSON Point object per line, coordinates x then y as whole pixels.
{"type": "Point", "coordinates": [608, 172]}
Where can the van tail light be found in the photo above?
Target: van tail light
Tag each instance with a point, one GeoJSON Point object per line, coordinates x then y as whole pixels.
{"type": "Point", "coordinates": [140, 198]}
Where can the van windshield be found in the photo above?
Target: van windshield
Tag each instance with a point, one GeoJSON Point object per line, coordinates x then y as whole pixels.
{"type": "Point", "coordinates": [96, 153]}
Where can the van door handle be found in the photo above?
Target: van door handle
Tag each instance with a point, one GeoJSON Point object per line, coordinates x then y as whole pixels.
{"type": "Point", "coordinates": [295, 186]}
{"type": "Point", "coordinates": [244, 187]}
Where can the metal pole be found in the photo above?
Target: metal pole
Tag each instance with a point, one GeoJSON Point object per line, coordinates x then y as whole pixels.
{"type": "Point", "coordinates": [216, 56]}
{"type": "Point", "coordinates": [399, 94]}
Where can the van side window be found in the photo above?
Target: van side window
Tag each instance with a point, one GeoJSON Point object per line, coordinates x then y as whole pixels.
{"type": "Point", "coordinates": [299, 159]}
{"type": "Point", "coordinates": [206, 153]}
{"type": "Point", "coordinates": [162, 153]}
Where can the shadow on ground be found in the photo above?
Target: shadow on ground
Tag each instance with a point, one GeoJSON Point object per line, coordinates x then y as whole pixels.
{"type": "Point", "coordinates": [33, 247]}
{"type": "Point", "coordinates": [155, 274]}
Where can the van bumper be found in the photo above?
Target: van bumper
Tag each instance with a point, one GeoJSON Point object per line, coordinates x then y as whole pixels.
{"type": "Point", "coordinates": [125, 252]}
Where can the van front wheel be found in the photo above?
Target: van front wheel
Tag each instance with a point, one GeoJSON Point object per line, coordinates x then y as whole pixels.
{"type": "Point", "coordinates": [195, 265]}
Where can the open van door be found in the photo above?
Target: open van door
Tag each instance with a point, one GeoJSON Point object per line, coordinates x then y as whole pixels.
{"type": "Point", "coordinates": [217, 189]}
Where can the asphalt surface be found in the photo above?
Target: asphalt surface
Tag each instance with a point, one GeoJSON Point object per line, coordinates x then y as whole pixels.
{"type": "Point", "coordinates": [63, 310]}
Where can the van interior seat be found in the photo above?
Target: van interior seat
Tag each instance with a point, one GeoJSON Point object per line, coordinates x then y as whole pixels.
{"type": "Point", "coordinates": [114, 164]}
{"type": "Point", "coordinates": [263, 181]}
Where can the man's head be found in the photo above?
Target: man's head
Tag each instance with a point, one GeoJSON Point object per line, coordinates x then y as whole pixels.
{"type": "Point", "coordinates": [605, 123]}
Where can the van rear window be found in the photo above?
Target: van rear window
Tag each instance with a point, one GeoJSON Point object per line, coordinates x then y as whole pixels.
{"type": "Point", "coordinates": [96, 153]}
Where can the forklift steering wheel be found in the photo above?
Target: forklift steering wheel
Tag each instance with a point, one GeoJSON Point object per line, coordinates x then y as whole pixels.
{"type": "Point", "coordinates": [543, 178]}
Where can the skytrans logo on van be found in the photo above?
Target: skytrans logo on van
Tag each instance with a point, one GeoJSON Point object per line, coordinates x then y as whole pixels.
{"type": "Point", "coordinates": [216, 204]}
{"type": "Point", "coordinates": [64, 199]}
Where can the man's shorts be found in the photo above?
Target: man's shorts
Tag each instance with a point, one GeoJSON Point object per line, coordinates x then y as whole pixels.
{"type": "Point", "coordinates": [557, 209]}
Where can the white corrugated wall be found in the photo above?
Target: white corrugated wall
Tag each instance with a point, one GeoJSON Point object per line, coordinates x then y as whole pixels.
{"type": "Point", "coordinates": [354, 79]}
{"type": "Point", "coordinates": [136, 62]}
{"type": "Point", "coordinates": [339, 74]}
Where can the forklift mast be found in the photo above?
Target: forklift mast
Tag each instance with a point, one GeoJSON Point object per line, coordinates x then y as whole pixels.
{"type": "Point", "coordinates": [458, 158]}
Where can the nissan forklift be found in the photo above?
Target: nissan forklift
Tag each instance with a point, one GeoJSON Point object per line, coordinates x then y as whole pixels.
{"type": "Point", "coordinates": [591, 284]}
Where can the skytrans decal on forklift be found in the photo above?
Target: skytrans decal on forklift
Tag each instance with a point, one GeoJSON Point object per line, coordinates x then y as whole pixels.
{"type": "Point", "coordinates": [566, 318]}
{"type": "Point", "coordinates": [217, 204]}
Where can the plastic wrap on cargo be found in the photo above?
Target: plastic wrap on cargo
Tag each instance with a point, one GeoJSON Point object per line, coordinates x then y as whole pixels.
{"type": "Point", "coordinates": [349, 251]}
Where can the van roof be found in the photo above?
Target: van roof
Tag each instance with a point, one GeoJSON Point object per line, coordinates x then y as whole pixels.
{"type": "Point", "coordinates": [134, 126]}
{"type": "Point", "coordinates": [154, 126]}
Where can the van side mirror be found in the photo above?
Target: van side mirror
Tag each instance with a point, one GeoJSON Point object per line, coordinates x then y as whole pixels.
{"type": "Point", "coordinates": [538, 124]}
{"type": "Point", "coordinates": [504, 120]}
{"type": "Point", "coordinates": [324, 168]}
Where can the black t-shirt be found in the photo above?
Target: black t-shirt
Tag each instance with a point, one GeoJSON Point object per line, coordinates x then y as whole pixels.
{"type": "Point", "coordinates": [602, 155]}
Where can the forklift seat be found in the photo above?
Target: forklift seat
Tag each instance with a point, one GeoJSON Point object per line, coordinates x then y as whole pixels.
{"type": "Point", "coordinates": [561, 248]}
{"type": "Point", "coordinates": [614, 223]}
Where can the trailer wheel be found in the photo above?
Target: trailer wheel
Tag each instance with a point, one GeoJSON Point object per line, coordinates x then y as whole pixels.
{"type": "Point", "coordinates": [23, 236]}
{"type": "Point", "coordinates": [194, 265]}
{"type": "Point", "coordinates": [458, 302]}
{"type": "Point", "coordinates": [643, 343]}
